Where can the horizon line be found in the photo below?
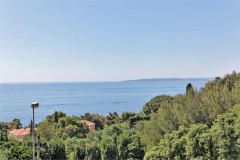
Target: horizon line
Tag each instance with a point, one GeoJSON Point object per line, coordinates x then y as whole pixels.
{"type": "Point", "coordinates": [102, 81]}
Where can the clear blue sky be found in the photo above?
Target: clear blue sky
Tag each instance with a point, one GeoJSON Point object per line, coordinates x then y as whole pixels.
{"type": "Point", "coordinates": [73, 40]}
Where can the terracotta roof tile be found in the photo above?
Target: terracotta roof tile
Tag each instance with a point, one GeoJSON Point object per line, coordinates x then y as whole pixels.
{"type": "Point", "coordinates": [88, 122]}
{"type": "Point", "coordinates": [20, 132]}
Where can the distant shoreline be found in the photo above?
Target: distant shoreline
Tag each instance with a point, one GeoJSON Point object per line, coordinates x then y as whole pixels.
{"type": "Point", "coordinates": [172, 79]}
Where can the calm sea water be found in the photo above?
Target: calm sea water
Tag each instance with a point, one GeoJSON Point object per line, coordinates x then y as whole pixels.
{"type": "Point", "coordinates": [79, 98]}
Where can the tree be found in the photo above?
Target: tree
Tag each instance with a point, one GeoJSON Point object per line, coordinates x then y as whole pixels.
{"type": "Point", "coordinates": [151, 133]}
{"type": "Point", "coordinates": [15, 124]}
{"type": "Point", "coordinates": [75, 148]}
{"type": "Point", "coordinates": [225, 135]}
{"type": "Point", "coordinates": [198, 141]}
{"type": "Point", "coordinates": [157, 102]}
{"type": "Point", "coordinates": [172, 146]}
{"type": "Point", "coordinates": [55, 117]}
{"type": "Point", "coordinates": [133, 120]}
{"type": "Point", "coordinates": [57, 149]}
{"type": "Point", "coordinates": [15, 151]}
{"type": "Point", "coordinates": [112, 118]}
{"type": "Point", "coordinates": [135, 148]}
{"type": "Point", "coordinates": [3, 133]}
{"type": "Point", "coordinates": [107, 147]}
{"type": "Point", "coordinates": [122, 145]}
{"type": "Point", "coordinates": [47, 130]}
{"type": "Point", "coordinates": [192, 108]}
{"type": "Point", "coordinates": [189, 90]}
{"type": "Point", "coordinates": [92, 151]}
{"type": "Point", "coordinates": [127, 115]}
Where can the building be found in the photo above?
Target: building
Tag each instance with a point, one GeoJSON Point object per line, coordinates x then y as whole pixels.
{"type": "Point", "coordinates": [20, 133]}
{"type": "Point", "coordinates": [91, 125]}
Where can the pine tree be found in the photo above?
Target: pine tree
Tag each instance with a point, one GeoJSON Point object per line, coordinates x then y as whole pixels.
{"type": "Point", "coordinates": [55, 117]}
{"type": "Point", "coordinates": [189, 89]}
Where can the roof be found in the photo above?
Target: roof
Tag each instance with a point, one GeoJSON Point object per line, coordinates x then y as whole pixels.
{"type": "Point", "coordinates": [88, 122]}
{"type": "Point", "coordinates": [20, 132]}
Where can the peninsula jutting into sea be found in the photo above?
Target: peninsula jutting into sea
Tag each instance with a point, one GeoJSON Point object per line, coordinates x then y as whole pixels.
{"type": "Point", "coordinates": [172, 79]}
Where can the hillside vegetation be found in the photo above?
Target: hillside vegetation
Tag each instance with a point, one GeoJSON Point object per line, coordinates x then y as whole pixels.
{"type": "Point", "coordinates": [202, 124]}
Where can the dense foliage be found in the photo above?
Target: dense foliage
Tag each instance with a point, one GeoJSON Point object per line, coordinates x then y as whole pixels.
{"type": "Point", "coordinates": [202, 124]}
{"type": "Point", "coordinates": [195, 107]}
{"type": "Point", "coordinates": [198, 141]}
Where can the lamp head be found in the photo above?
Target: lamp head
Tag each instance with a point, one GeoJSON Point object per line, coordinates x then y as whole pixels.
{"type": "Point", "coordinates": [34, 104]}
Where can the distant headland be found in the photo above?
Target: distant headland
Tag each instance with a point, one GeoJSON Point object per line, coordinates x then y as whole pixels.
{"type": "Point", "coordinates": [172, 79]}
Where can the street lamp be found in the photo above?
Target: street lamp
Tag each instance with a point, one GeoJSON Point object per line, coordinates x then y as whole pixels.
{"type": "Point", "coordinates": [33, 105]}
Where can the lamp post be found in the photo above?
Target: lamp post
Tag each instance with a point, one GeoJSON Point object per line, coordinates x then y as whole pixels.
{"type": "Point", "coordinates": [33, 105]}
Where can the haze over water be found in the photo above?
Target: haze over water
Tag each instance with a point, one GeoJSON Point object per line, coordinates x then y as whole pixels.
{"type": "Point", "coordinates": [79, 98]}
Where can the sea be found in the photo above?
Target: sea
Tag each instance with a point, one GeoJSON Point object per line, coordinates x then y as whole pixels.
{"type": "Point", "coordinates": [77, 98]}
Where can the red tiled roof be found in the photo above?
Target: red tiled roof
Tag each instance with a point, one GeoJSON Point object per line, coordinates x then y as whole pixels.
{"type": "Point", "coordinates": [19, 132]}
{"type": "Point", "coordinates": [88, 122]}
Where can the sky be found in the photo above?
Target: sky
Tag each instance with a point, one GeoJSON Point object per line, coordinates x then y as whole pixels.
{"type": "Point", "coordinates": [114, 40]}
